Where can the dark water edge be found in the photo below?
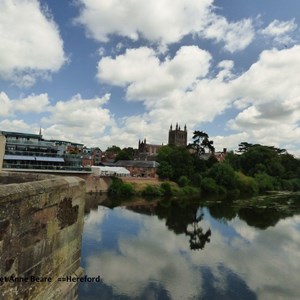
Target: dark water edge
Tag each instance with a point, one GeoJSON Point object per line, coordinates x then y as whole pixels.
{"type": "Point", "coordinates": [178, 249]}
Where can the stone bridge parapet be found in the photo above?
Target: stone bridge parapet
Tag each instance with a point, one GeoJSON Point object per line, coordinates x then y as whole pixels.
{"type": "Point", "coordinates": [41, 223]}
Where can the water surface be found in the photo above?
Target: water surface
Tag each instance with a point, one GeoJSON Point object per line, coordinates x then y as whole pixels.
{"type": "Point", "coordinates": [241, 250]}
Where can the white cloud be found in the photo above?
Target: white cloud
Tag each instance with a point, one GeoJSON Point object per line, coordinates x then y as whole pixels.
{"type": "Point", "coordinates": [4, 104]}
{"type": "Point", "coordinates": [282, 32]}
{"type": "Point", "coordinates": [146, 77]}
{"type": "Point", "coordinates": [30, 43]}
{"type": "Point", "coordinates": [17, 125]}
{"type": "Point", "coordinates": [173, 20]}
{"type": "Point", "coordinates": [276, 27]}
{"type": "Point", "coordinates": [31, 104]}
{"type": "Point", "coordinates": [78, 119]}
{"type": "Point", "coordinates": [172, 89]}
{"type": "Point", "coordinates": [236, 36]}
{"type": "Point", "coordinates": [268, 96]}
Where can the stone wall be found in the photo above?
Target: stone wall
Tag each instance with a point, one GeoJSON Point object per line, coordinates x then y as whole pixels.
{"type": "Point", "coordinates": [2, 150]}
{"type": "Point", "coordinates": [41, 225]}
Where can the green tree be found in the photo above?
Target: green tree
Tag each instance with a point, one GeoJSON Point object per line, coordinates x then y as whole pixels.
{"type": "Point", "coordinates": [183, 181]}
{"type": "Point", "coordinates": [224, 175]}
{"type": "Point", "coordinates": [125, 154]}
{"type": "Point", "coordinates": [234, 160]}
{"type": "Point", "coordinates": [201, 142]}
{"type": "Point", "coordinates": [260, 159]}
{"type": "Point", "coordinates": [175, 162]}
{"type": "Point", "coordinates": [165, 170]}
{"type": "Point", "coordinates": [114, 149]}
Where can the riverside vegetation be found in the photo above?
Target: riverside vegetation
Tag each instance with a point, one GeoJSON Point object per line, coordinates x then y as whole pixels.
{"type": "Point", "coordinates": [254, 169]}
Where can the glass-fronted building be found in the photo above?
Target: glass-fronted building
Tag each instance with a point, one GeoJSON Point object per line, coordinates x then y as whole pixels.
{"type": "Point", "coordinates": [31, 151]}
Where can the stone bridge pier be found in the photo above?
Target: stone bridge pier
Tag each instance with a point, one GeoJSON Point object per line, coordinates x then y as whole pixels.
{"type": "Point", "coordinates": [41, 223]}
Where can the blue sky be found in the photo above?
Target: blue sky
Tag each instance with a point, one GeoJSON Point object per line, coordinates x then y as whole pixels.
{"type": "Point", "coordinates": [106, 72]}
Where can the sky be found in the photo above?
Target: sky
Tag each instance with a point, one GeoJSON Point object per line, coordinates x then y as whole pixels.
{"type": "Point", "coordinates": [111, 72]}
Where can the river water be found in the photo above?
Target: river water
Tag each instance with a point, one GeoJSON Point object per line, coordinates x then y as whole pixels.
{"type": "Point", "coordinates": [247, 249]}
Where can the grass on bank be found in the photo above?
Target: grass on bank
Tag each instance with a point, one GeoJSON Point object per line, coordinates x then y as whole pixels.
{"type": "Point", "coordinates": [149, 188]}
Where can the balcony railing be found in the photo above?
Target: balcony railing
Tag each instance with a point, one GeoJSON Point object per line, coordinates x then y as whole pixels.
{"type": "Point", "coordinates": [45, 167]}
{"type": "Point", "coordinates": [31, 153]}
{"type": "Point", "coordinates": [34, 143]}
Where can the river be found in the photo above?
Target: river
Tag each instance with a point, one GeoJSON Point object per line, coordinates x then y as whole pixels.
{"type": "Point", "coordinates": [247, 249]}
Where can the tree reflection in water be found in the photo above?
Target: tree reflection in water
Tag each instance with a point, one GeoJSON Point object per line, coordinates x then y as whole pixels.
{"type": "Point", "coordinates": [182, 217]}
{"type": "Point", "coordinates": [198, 238]}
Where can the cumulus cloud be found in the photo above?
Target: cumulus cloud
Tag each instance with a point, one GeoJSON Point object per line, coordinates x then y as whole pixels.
{"type": "Point", "coordinates": [18, 125]}
{"type": "Point", "coordinates": [31, 104]}
{"type": "Point", "coordinates": [146, 77]}
{"type": "Point", "coordinates": [173, 20]}
{"type": "Point", "coordinates": [76, 117]}
{"type": "Point", "coordinates": [171, 89]}
{"type": "Point", "coordinates": [268, 97]}
{"type": "Point", "coordinates": [236, 36]}
{"type": "Point", "coordinates": [30, 43]}
{"type": "Point", "coordinates": [281, 31]}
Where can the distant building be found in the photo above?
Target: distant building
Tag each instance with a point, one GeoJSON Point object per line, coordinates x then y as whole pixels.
{"type": "Point", "coordinates": [139, 168]}
{"type": "Point", "coordinates": [177, 137]}
{"type": "Point", "coordinates": [91, 157]}
{"type": "Point", "coordinates": [71, 152]}
{"type": "Point", "coordinates": [220, 156]}
{"type": "Point", "coordinates": [30, 151]}
{"type": "Point", "coordinates": [147, 151]}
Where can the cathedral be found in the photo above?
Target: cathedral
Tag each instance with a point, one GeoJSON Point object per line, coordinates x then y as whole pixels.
{"type": "Point", "coordinates": [177, 137]}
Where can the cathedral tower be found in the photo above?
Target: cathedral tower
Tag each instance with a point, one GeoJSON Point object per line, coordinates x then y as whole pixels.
{"type": "Point", "coordinates": [177, 136]}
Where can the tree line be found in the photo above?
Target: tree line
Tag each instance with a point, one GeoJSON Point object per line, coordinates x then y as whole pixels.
{"type": "Point", "coordinates": [253, 169]}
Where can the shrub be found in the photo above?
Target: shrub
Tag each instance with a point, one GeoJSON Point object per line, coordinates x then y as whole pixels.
{"type": "Point", "coordinates": [166, 189]}
{"type": "Point", "coordinates": [209, 186]}
{"type": "Point", "coordinates": [115, 187]}
{"type": "Point", "coordinates": [246, 184]}
{"type": "Point", "coordinates": [127, 189]}
{"type": "Point", "coordinates": [296, 184]}
{"type": "Point", "coordinates": [189, 190]}
{"type": "Point", "coordinates": [118, 188]}
{"type": "Point", "coordinates": [265, 182]}
{"type": "Point", "coordinates": [290, 184]}
{"type": "Point", "coordinates": [183, 181]}
{"type": "Point", "coordinates": [286, 185]}
{"type": "Point", "coordinates": [152, 190]}
{"type": "Point", "coordinates": [233, 194]}
{"type": "Point", "coordinates": [196, 180]}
